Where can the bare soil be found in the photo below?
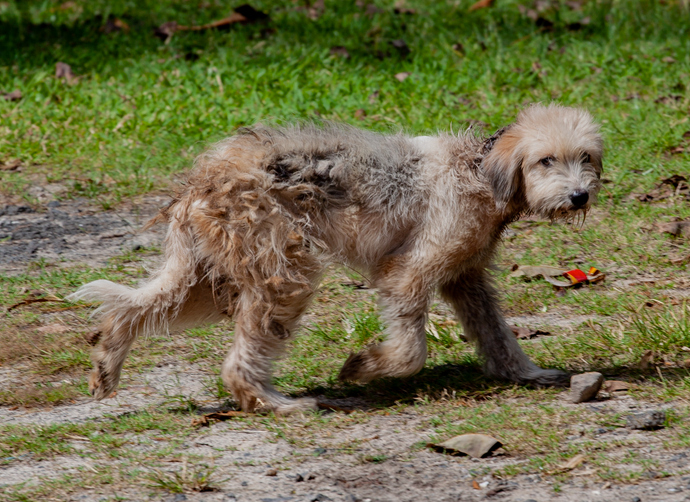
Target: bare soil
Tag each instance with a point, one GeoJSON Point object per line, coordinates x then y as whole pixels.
{"type": "Point", "coordinates": [384, 462]}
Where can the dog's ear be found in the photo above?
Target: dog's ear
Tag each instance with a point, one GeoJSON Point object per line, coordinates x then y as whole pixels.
{"type": "Point", "coordinates": [502, 168]}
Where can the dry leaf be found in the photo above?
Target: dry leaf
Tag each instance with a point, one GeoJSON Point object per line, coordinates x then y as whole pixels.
{"type": "Point", "coordinates": [339, 50]}
{"type": "Point", "coordinates": [402, 75]}
{"type": "Point", "coordinates": [204, 420]}
{"type": "Point", "coordinates": [15, 95]}
{"type": "Point", "coordinates": [668, 59]}
{"type": "Point", "coordinates": [474, 445]}
{"type": "Point", "coordinates": [572, 463]}
{"type": "Point", "coordinates": [646, 360]}
{"type": "Point", "coordinates": [11, 165]}
{"type": "Point", "coordinates": [64, 71]}
{"type": "Point", "coordinates": [533, 271]}
{"type": "Point", "coordinates": [360, 114]}
{"type": "Point", "coordinates": [401, 46]}
{"type": "Point", "coordinates": [475, 485]}
{"type": "Point", "coordinates": [113, 25]}
{"type": "Point", "coordinates": [523, 333]}
{"type": "Point", "coordinates": [612, 386]}
{"type": "Point", "coordinates": [481, 4]}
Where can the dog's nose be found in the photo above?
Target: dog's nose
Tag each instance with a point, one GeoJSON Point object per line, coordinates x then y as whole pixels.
{"type": "Point", "coordinates": [579, 198]}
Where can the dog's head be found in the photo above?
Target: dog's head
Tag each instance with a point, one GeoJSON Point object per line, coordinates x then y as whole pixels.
{"type": "Point", "coordinates": [548, 162]}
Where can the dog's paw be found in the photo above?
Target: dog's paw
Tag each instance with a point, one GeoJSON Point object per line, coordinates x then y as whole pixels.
{"type": "Point", "coordinates": [101, 384]}
{"type": "Point", "coordinates": [358, 368]}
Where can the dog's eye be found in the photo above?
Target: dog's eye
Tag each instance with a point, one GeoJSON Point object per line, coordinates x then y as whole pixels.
{"type": "Point", "coordinates": [586, 159]}
{"type": "Point", "coordinates": [547, 161]}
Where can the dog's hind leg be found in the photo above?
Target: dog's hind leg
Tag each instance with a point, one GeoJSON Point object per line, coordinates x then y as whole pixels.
{"type": "Point", "coordinates": [126, 312]}
{"type": "Point", "coordinates": [265, 321]}
{"type": "Point", "coordinates": [404, 298]}
{"type": "Point", "coordinates": [475, 303]}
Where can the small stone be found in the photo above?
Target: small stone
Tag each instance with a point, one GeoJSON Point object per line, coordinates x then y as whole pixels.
{"type": "Point", "coordinates": [319, 451]}
{"type": "Point", "coordinates": [646, 420]}
{"type": "Point", "coordinates": [244, 483]}
{"type": "Point", "coordinates": [299, 478]}
{"type": "Point", "coordinates": [272, 472]}
{"type": "Point", "coordinates": [636, 499]}
{"type": "Point", "coordinates": [179, 497]}
{"type": "Point", "coordinates": [585, 386]}
{"type": "Point", "coordinates": [319, 498]}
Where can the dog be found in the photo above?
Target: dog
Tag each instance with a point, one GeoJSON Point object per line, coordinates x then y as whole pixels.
{"type": "Point", "coordinates": [265, 211]}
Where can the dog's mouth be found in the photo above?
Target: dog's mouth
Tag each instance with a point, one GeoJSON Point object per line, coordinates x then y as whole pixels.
{"type": "Point", "coordinates": [573, 216]}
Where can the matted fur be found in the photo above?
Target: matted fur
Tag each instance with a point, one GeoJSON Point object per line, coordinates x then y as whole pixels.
{"type": "Point", "coordinates": [263, 212]}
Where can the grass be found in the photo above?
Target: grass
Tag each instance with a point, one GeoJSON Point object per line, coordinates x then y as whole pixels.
{"type": "Point", "coordinates": [140, 109]}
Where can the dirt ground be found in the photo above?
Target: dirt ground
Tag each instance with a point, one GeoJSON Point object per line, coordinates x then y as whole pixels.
{"type": "Point", "coordinates": [256, 463]}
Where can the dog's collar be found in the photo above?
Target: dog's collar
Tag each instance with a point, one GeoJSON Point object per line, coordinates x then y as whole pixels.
{"type": "Point", "coordinates": [487, 146]}
{"type": "Point", "coordinates": [491, 140]}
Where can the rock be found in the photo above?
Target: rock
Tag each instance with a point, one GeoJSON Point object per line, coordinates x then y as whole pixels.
{"type": "Point", "coordinates": [474, 445]}
{"type": "Point", "coordinates": [272, 472]}
{"type": "Point", "coordinates": [585, 386]}
{"type": "Point", "coordinates": [646, 420]}
{"type": "Point", "coordinates": [179, 497]}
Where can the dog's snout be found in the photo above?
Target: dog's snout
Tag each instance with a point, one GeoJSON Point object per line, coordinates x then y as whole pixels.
{"type": "Point", "coordinates": [579, 198]}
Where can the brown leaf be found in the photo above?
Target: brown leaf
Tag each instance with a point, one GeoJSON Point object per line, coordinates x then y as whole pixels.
{"type": "Point", "coordinates": [339, 50]}
{"type": "Point", "coordinates": [360, 114]}
{"type": "Point", "coordinates": [316, 10]}
{"type": "Point", "coordinates": [532, 271]}
{"type": "Point", "coordinates": [11, 165]}
{"type": "Point", "coordinates": [646, 360]}
{"type": "Point", "coordinates": [402, 75]}
{"type": "Point", "coordinates": [481, 4]}
{"type": "Point", "coordinates": [221, 415]}
{"type": "Point", "coordinates": [166, 30]}
{"type": "Point", "coordinates": [668, 59]}
{"type": "Point", "coordinates": [114, 25]}
{"type": "Point", "coordinates": [572, 463]}
{"type": "Point", "coordinates": [475, 485]}
{"type": "Point", "coordinates": [523, 333]}
{"type": "Point", "coordinates": [612, 386]}
{"type": "Point", "coordinates": [15, 95]}
{"type": "Point", "coordinates": [64, 71]}
{"type": "Point", "coordinates": [474, 445]}
{"type": "Point", "coordinates": [401, 46]}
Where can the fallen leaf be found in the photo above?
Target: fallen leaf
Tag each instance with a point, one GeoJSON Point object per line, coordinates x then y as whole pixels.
{"type": "Point", "coordinates": [481, 4]}
{"type": "Point", "coordinates": [572, 463]}
{"type": "Point", "coordinates": [523, 333]}
{"type": "Point", "coordinates": [646, 360]}
{"type": "Point", "coordinates": [113, 25]}
{"type": "Point", "coordinates": [15, 95]}
{"type": "Point", "coordinates": [53, 329]}
{"type": "Point", "coordinates": [11, 165]}
{"type": "Point", "coordinates": [245, 13]}
{"type": "Point", "coordinates": [534, 271]}
{"type": "Point", "coordinates": [674, 228]}
{"type": "Point", "coordinates": [402, 75]}
{"type": "Point", "coordinates": [612, 386]}
{"type": "Point", "coordinates": [64, 71]}
{"type": "Point", "coordinates": [475, 485]}
{"type": "Point", "coordinates": [339, 50]}
{"type": "Point", "coordinates": [316, 9]}
{"type": "Point", "coordinates": [668, 59]}
{"type": "Point", "coordinates": [360, 114]}
{"type": "Point", "coordinates": [205, 420]}
{"type": "Point", "coordinates": [474, 445]}
{"type": "Point", "coordinates": [166, 30]}
{"type": "Point", "coordinates": [401, 46]}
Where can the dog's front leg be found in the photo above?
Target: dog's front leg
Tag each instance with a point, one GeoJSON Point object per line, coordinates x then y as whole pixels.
{"type": "Point", "coordinates": [404, 302]}
{"type": "Point", "coordinates": [476, 305]}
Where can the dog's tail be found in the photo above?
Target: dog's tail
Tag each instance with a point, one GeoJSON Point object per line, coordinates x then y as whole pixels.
{"type": "Point", "coordinates": [152, 306]}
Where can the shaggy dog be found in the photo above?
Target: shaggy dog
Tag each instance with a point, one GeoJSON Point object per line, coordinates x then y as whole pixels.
{"type": "Point", "coordinates": [263, 212]}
